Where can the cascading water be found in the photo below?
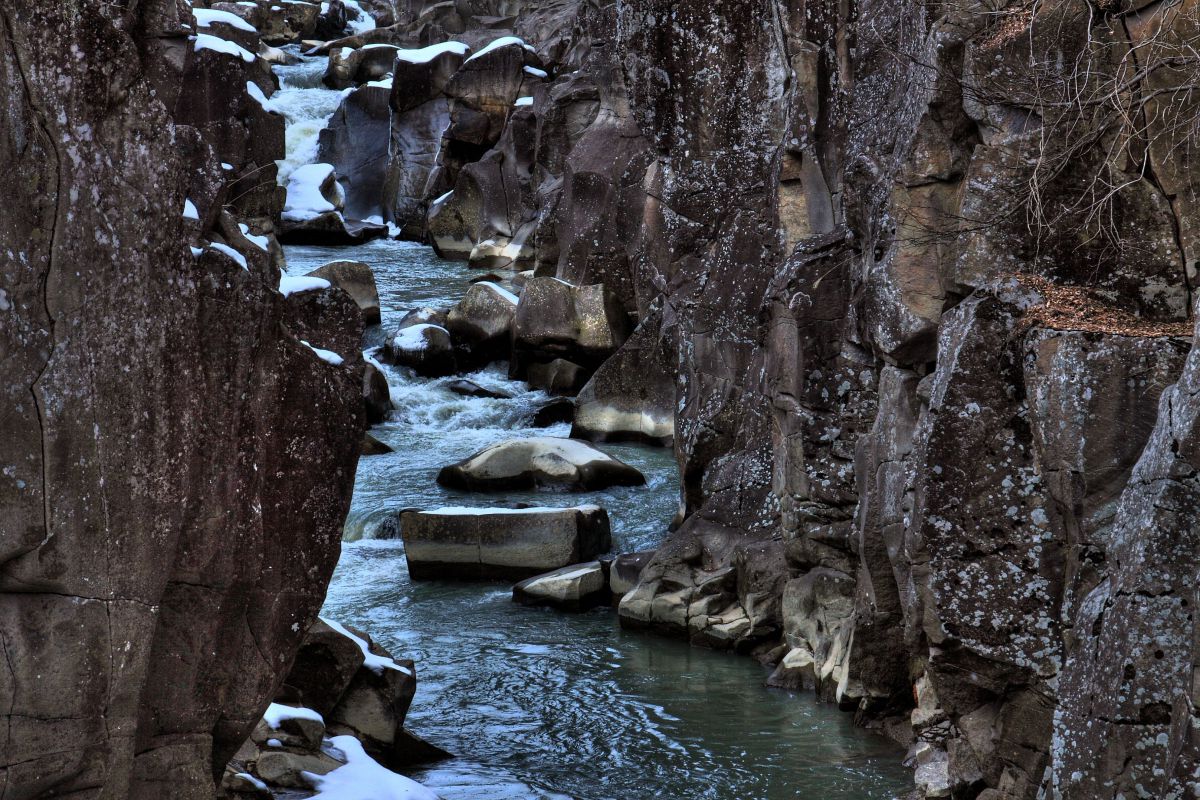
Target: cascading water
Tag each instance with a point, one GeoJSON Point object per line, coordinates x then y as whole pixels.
{"type": "Point", "coordinates": [537, 704]}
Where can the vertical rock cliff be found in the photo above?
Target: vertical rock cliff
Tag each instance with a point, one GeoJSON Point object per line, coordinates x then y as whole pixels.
{"type": "Point", "coordinates": [175, 465]}
{"type": "Point", "coordinates": [913, 294]}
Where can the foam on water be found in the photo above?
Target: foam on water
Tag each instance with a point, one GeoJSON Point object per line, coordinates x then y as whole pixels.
{"type": "Point", "coordinates": [306, 106]}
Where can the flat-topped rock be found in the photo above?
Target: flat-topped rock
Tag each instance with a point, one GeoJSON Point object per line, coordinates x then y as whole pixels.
{"type": "Point", "coordinates": [578, 587]}
{"type": "Point", "coordinates": [477, 543]}
{"type": "Point", "coordinates": [539, 462]}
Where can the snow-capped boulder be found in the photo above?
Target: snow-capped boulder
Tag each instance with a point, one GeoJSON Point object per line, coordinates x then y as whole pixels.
{"type": "Point", "coordinates": [357, 280]}
{"type": "Point", "coordinates": [425, 315]}
{"type": "Point", "coordinates": [578, 587]}
{"type": "Point", "coordinates": [425, 348]}
{"type": "Point", "coordinates": [540, 462]}
{"type": "Point", "coordinates": [473, 543]}
{"type": "Point", "coordinates": [347, 67]}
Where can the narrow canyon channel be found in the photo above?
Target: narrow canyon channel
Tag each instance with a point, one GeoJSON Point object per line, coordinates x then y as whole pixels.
{"type": "Point", "coordinates": [534, 703]}
{"type": "Point", "coordinates": [539, 704]}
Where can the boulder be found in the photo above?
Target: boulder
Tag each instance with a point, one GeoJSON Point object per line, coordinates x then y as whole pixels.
{"type": "Point", "coordinates": [355, 142]}
{"type": "Point", "coordinates": [373, 447]}
{"type": "Point", "coordinates": [560, 377]}
{"type": "Point", "coordinates": [324, 667]}
{"type": "Point", "coordinates": [482, 322]}
{"type": "Point", "coordinates": [540, 462]}
{"type": "Point", "coordinates": [579, 587]}
{"type": "Point", "coordinates": [424, 316]}
{"type": "Point", "coordinates": [631, 398]}
{"type": "Point", "coordinates": [325, 318]}
{"type": "Point", "coordinates": [425, 348]}
{"type": "Point", "coordinates": [374, 705]}
{"type": "Point", "coordinates": [372, 62]}
{"type": "Point", "coordinates": [556, 412]}
{"type": "Point", "coordinates": [330, 229]}
{"type": "Point", "coordinates": [472, 389]}
{"type": "Point", "coordinates": [357, 280]}
{"type": "Point", "coordinates": [625, 571]}
{"type": "Point", "coordinates": [377, 396]}
{"type": "Point", "coordinates": [585, 324]}
{"type": "Point", "coordinates": [480, 543]}
{"type": "Point", "coordinates": [286, 769]}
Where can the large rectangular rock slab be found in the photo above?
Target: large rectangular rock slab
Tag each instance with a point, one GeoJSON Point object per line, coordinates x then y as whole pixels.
{"type": "Point", "coordinates": [501, 543]}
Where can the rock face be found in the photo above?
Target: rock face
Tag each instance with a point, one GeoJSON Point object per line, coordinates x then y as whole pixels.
{"type": "Point", "coordinates": [473, 543]}
{"type": "Point", "coordinates": [156, 576]}
{"type": "Point", "coordinates": [539, 462]}
{"type": "Point", "coordinates": [909, 302]}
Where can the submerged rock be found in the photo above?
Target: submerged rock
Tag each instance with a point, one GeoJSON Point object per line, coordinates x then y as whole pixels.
{"type": "Point", "coordinates": [540, 462]}
{"type": "Point", "coordinates": [472, 389]}
{"type": "Point", "coordinates": [474, 543]}
{"type": "Point", "coordinates": [578, 587]}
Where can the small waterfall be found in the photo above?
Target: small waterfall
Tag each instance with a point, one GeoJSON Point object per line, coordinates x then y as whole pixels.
{"type": "Point", "coordinates": [306, 105]}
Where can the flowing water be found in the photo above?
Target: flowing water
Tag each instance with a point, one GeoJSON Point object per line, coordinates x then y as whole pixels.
{"type": "Point", "coordinates": [535, 703]}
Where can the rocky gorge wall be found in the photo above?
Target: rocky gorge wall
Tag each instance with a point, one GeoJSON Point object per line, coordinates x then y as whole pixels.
{"type": "Point", "coordinates": [175, 463]}
{"type": "Point", "coordinates": [907, 285]}
{"type": "Point", "coordinates": [912, 294]}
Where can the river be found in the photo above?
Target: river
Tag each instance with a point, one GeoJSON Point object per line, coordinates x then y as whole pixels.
{"type": "Point", "coordinates": [535, 703]}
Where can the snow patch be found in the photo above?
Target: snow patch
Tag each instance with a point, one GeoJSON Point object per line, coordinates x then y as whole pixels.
{"type": "Point", "coordinates": [206, 41]}
{"type": "Point", "coordinates": [304, 198]}
{"type": "Point", "coordinates": [376, 664]}
{"type": "Point", "coordinates": [328, 356]}
{"type": "Point", "coordinates": [500, 290]}
{"type": "Point", "coordinates": [362, 778]}
{"type": "Point", "coordinates": [234, 254]}
{"type": "Point", "coordinates": [278, 714]}
{"type": "Point", "coordinates": [424, 55]}
{"type": "Point", "coordinates": [523, 102]}
{"type": "Point", "coordinates": [207, 17]}
{"type": "Point", "coordinates": [413, 338]}
{"type": "Point", "coordinates": [189, 210]}
{"type": "Point", "coordinates": [503, 41]}
{"type": "Point", "coordinates": [290, 286]}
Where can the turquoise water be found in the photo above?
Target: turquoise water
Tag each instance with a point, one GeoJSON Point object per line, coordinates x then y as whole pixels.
{"type": "Point", "coordinates": [537, 704]}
